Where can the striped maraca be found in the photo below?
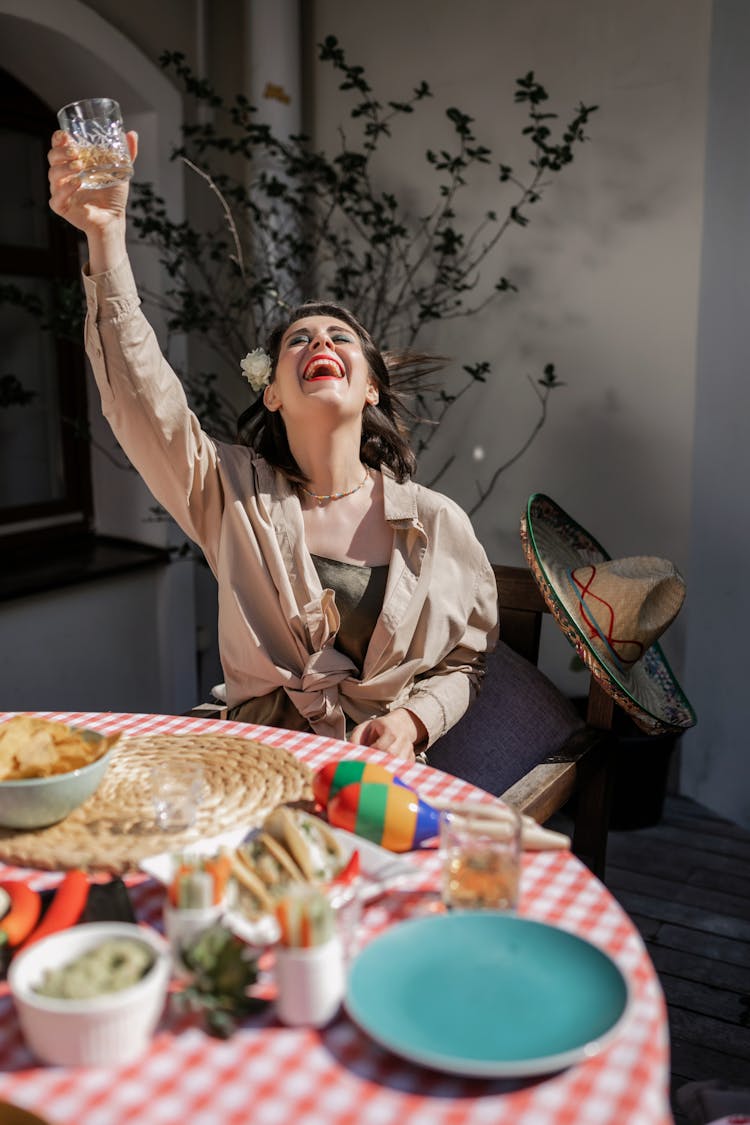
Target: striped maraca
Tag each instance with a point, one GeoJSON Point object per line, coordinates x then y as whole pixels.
{"type": "Point", "coordinates": [390, 815]}
{"type": "Point", "coordinates": [347, 771]}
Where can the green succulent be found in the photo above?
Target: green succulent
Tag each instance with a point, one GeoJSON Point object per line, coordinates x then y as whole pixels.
{"type": "Point", "coordinates": [222, 971]}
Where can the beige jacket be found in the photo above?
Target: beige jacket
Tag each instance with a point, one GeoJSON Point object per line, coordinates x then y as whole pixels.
{"type": "Point", "coordinates": [277, 624]}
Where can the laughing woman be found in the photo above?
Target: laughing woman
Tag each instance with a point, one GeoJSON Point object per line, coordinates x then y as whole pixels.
{"type": "Point", "coordinates": [352, 601]}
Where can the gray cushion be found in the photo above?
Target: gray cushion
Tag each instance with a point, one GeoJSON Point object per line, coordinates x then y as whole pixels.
{"type": "Point", "coordinates": [519, 719]}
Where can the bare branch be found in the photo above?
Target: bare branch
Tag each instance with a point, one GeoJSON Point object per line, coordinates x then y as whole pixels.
{"type": "Point", "coordinates": [237, 257]}
{"type": "Point", "coordinates": [485, 492]}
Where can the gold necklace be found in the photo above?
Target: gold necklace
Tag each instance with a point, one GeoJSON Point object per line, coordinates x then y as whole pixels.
{"type": "Point", "coordinates": [337, 495]}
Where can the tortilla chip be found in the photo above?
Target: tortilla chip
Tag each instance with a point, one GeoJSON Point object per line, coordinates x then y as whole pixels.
{"type": "Point", "coordinates": [31, 747]}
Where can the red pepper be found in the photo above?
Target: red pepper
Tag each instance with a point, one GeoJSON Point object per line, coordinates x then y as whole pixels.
{"type": "Point", "coordinates": [349, 871]}
{"type": "Point", "coordinates": [25, 908]}
{"type": "Point", "coordinates": [66, 907]}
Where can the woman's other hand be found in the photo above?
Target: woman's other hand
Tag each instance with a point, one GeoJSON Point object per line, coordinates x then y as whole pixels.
{"type": "Point", "coordinates": [398, 732]}
{"type": "Point", "coordinates": [99, 213]}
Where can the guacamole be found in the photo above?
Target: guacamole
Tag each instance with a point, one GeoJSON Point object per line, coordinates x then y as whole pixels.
{"type": "Point", "coordinates": [112, 965]}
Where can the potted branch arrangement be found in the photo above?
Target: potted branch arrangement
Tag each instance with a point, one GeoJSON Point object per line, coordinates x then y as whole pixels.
{"type": "Point", "coordinates": [294, 219]}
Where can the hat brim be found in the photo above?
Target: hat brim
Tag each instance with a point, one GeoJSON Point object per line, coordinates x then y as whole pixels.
{"type": "Point", "coordinates": [554, 544]}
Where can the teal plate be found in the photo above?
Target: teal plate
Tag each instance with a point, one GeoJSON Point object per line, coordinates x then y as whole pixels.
{"type": "Point", "coordinates": [486, 994]}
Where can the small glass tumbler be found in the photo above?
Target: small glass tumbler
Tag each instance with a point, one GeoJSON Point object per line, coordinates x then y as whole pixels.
{"type": "Point", "coordinates": [347, 909]}
{"type": "Point", "coordinates": [480, 847]}
{"type": "Point", "coordinates": [177, 789]}
{"type": "Point", "coordinates": [95, 124]}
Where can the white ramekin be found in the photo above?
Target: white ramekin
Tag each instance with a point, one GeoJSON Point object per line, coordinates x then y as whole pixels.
{"type": "Point", "coordinates": [109, 1030]}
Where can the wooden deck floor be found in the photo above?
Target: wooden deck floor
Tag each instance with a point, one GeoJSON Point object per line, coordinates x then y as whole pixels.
{"type": "Point", "coordinates": [686, 885]}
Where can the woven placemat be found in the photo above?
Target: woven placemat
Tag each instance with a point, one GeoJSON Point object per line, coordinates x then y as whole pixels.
{"type": "Point", "coordinates": [115, 828]}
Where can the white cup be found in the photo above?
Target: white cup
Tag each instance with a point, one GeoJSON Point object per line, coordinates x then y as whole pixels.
{"type": "Point", "coordinates": [182, 925]}
{"type": "Point", "coordinates": [310, 983]}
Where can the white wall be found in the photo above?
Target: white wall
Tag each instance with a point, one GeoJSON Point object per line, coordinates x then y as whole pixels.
{"type": "Point", "coordinates": [715, 761]}
{"type": "Point", "coordinates": [86, 648]}
{"type": "Point", "coordinates": [609, 268]}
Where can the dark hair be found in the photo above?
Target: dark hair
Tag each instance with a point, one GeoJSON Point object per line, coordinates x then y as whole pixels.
{"type": "Point", "coordinates": [384, 426]}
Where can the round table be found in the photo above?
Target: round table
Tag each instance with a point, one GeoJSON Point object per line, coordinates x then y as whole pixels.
{"type": "Point", "coordinates": [268, 1073]}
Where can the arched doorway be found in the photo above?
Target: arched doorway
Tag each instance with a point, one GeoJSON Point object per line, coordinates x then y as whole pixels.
{"type": "Point", "coordinates": [61, 50]}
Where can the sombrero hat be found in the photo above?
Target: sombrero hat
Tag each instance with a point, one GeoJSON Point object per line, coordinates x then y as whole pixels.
{"type": "Point", "coordinates": [612, 611]}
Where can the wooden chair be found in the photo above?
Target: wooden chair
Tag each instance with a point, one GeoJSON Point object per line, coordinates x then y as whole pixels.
{"type": "Point", "coordinates": [578, 774]}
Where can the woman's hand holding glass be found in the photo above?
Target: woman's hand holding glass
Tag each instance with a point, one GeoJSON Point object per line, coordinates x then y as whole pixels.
{"type": "Point", "coordinates": [92, 212]}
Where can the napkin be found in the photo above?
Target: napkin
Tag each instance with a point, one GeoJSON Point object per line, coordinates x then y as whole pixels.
{"type": "Point", "coordinates": [535, 838]}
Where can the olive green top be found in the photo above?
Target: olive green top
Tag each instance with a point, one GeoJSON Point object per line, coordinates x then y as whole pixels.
{"type": "Point", "coordinates": [359, 592]}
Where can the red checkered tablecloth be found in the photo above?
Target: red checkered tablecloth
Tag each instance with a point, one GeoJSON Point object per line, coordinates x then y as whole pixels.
{"type": "Point", "coordinates": [267, 1074]}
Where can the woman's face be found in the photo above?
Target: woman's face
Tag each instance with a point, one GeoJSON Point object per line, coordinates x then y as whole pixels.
{"type": "Point", "coordinates": [320, 364]}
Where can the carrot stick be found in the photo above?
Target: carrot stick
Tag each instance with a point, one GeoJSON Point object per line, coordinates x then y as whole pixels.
{"type": "Point", "coordinates": [282, 917]}
{"type": "Point", "coordinates": [25, 908]}
{"type": "Point", "coordinates": [66, 907]}
{"type": "Point", "coordinates": [173, 890]}
{"type": "Point", "coordinates": [220, 868]}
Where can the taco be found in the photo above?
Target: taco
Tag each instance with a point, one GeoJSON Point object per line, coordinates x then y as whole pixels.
{"type": "Point", "coordinates": [266, 871]}
{"type": "Point", "coordinates": [310, 841]}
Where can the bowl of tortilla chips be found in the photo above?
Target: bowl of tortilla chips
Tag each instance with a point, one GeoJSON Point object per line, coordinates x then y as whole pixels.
{"type": "Point", "coordinates": [48, 769]}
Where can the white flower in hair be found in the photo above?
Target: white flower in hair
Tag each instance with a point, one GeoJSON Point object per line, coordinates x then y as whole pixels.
{"type": "Point", "coordinates": [256, 367]}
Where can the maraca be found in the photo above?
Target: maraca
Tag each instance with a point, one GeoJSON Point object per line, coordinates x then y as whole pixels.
{"type": "Point", "coordinates": [346, 771]}
{"type": "Point", "coordinates": [390, 815]}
